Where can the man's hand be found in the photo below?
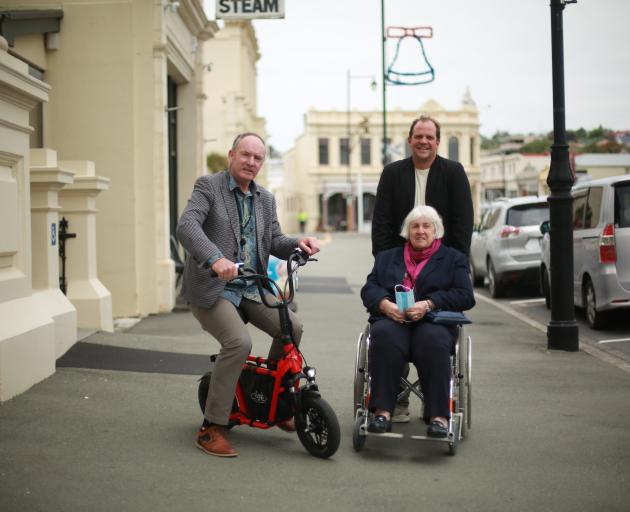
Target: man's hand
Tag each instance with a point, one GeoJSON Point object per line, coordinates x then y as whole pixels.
{"type": "Point", "coordinates": [225, 269]}
{"type": "Point", "coordinates": [309, 244]}
{"type": "Point", "coordinates": [390, 310]}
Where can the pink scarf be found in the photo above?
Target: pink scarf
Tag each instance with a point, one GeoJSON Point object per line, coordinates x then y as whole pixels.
{"type": "Point", "coordinates": [416, 260]}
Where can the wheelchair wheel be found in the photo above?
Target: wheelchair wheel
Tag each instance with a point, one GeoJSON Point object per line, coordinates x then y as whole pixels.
{"type": "Point", "coordinates": [452, 446]}
{"type": "Point", "coordinates": [358, 439]}
{"type": "Point", "coordinates": [317, 427]}
{"type": "Point", "coordinates": [202, 395]}
{"type": "Point", "coordinates": [465, 389]}
{"type": "Point", "coordinates": [361, 371]}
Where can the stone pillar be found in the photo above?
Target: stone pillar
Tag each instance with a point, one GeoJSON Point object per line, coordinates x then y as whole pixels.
{"type": "Point", "coordinates": [78, 205]}
{"type": "Point", "coordinates": [27, 334]}
{"type": "Point", "coordinates": [46, 181]}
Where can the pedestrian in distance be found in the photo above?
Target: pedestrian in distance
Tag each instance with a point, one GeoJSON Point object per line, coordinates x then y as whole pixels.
{"type": "Point", "coordinates": [425, 178]}
{"type": "Point", "coordinates": [302, 218]}
{"type": "Point", "coordinates": [229, 218]}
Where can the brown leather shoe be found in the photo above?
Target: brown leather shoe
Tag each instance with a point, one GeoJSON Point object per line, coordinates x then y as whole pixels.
{"type": "Point", "coordinates": [213, 440]}
{"type": "Point", "coordinates": [287, 426]}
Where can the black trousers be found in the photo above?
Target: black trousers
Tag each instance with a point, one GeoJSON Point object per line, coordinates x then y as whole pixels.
{"type": "Point", "coordinates": [428, 346]}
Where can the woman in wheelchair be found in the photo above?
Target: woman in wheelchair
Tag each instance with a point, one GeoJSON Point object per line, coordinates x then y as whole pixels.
{"type": "Point", "coordinates": [436, 278]}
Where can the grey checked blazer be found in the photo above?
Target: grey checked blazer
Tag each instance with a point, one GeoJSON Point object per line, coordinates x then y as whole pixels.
{"type": "Point", "coordinates": [209, 226]}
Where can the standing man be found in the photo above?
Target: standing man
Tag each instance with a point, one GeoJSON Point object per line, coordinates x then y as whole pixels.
{"type": "Point", "coordinates": [423, 179]}
{"type": "Point", "coordinates": [229, 219]}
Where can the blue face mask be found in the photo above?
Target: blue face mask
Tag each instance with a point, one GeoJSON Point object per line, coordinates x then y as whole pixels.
{"type": "Point", "coordinates": [404, 297]}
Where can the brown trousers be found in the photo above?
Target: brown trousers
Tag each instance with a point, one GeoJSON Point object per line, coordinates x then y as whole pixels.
{"type": "Point", "coordinates": [223, 322]}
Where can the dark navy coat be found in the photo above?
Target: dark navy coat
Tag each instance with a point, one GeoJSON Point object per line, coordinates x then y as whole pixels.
{"type": "Point", "coordinates": [444, 279]}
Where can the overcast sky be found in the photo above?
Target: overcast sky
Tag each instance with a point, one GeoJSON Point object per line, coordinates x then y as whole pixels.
{"type": "Point", "coordinates": [501, 49]}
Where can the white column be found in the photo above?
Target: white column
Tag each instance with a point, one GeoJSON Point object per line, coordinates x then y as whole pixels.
{"type": "Point", "coordinates": [27, 344]}
{"type": "Point", "coordinates": [46, 181]}
{"type": "Point", "coordinates": [78, 205]}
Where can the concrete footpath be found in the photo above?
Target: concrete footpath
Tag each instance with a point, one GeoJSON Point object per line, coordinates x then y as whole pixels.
{"type": "Point", "coordinates": [551, 430]}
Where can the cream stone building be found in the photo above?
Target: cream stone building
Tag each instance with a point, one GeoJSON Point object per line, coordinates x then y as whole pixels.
{"type": "Point", "coordinates": [328, 169]}
{"type": "Point", "coordinates": [101, 122]}
{"type": "Point", "coordinates": [230, 88]}
{"type": "Point", "coordinates": [602, 165]}
{"type": "Point", "coordinates": [513, 175]}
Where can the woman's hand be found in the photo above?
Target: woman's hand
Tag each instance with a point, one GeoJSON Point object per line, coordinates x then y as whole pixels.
{"type": "Point", "coordinates": [418, 310]}
{"type": "Point", "coordinates": [390, 310]}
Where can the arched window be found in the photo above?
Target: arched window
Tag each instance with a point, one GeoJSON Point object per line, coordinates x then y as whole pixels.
{"type": "Point", "coordinates": [453, 148]}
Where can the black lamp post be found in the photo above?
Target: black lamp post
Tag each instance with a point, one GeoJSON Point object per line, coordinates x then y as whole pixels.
{"type": "Point", "coordinates": [562, 331]}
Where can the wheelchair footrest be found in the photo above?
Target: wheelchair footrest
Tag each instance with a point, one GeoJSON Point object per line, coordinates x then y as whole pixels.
{"type": "Point", "coordinates": [384, 434]}
{"type": "Point", "coordinates": [446, 439]}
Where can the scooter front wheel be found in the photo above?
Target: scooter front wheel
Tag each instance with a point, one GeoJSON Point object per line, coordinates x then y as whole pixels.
{"type": "Point", "coordinates": [317, 427]}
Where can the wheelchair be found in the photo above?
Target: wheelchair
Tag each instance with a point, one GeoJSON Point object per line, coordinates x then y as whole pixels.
{"type": "Point", "coordinates": [460, 397]}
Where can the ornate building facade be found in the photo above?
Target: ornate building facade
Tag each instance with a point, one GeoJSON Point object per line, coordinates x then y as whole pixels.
{"type": "Point", "coordinates": [334, 167]}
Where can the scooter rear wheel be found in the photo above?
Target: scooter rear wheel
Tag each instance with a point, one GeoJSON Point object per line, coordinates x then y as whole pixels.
{"type": "Point", "coordinates": [317, 427]}
{"type": "Point", "coordinates": [202, 395]}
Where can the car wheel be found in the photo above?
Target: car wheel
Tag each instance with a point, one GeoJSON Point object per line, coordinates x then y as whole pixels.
{"type": "Point", "coordinates": [474, 278]}
{"type": "Point", "coordinates": [546, 287]}
{"type": "Point", "coordinates": [495, 286]}
{"type": "Point", "coordinates": [593, 317]}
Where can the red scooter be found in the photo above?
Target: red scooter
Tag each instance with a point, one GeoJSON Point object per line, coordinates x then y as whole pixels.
{"type": "Point", "coordinates": [269, 392]}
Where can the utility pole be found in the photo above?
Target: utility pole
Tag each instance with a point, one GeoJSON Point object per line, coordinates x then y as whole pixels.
{"type": "Point", "coordinates": [562, 331]}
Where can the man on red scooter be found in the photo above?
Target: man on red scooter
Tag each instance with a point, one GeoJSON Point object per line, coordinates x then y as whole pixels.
{"type": "Point", "coordinates": [229, 219]}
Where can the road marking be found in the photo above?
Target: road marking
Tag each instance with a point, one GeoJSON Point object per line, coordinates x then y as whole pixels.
{"type": "Point", "coordinates": [589, 349]}
{"type": "Point", "coordinates": [613, 341]}
{"type": "Point", "coordinates": [527, 301]}
{"type": "Point", "coordinates": [512, 312]}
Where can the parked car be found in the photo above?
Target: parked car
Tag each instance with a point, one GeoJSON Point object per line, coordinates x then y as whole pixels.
{"type": "Point", "coordinates": [505, 247]}
{"type": "Point", "coordinates": [601, 248]}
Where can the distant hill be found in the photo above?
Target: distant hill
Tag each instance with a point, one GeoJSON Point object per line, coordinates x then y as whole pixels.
{"type": "Point", "coordinates": [597, 140]}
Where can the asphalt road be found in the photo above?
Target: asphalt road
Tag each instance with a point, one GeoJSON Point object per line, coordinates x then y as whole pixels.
{"type": "Point", "coordinates": [613, 340]}
{"type": "Point", "coordinates": [550, 428]}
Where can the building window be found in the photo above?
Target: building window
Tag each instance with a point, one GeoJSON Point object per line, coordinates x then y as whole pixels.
{"type": "Point", "coordinates": [344, 151]}
{"type": "Point", "coordinates": [366, 151]}
{"type": "Point", "coordinates": [453, 149]}
{"type": "Point", "coordinates": [323, 151]}
{"type": "Point", "coordinates": [472, 151]}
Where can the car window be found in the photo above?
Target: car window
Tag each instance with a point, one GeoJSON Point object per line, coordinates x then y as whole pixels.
{"type": "Point", "coordinates": [492, 218]}
{"type": "Point", "coordinates": [622, 205]}
{"type": "Point", "coordinates": [579, 205]}
{"type": "Point", "coordinates": [593, 207]}
{"type": "Point", "coordinates": [527, 214]}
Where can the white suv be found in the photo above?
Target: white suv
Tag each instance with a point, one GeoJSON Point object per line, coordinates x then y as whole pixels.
{"type": "Point", "coordinates": [505, 247]}
{"type": "Point", "coordinates": [601, 248]}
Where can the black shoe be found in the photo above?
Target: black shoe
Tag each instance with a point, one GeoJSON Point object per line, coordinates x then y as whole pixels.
{"type": "Point", "coordinates": [436, 429]}
{"type": "Point", "coordinates": [380, 425]}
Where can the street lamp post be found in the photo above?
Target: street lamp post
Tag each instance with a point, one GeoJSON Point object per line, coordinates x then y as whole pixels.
{"type": "Point", "coordinates": [562, 331]}
{"type": "Point", "coordinates": [384, 80]}
{"type": "Point", "coordinates": [350, 195]}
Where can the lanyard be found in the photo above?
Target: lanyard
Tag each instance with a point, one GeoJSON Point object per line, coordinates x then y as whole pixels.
{"type": "Point", "coordinates": [242, 224]}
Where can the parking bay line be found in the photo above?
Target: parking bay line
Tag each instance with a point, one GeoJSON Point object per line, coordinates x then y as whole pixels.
{"type": "Point", "coordinates": [613, 340]}
{"type": "Point", "coordinates": [527, 302]}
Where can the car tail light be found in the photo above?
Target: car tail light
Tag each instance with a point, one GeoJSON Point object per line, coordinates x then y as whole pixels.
{"type": "Point", "coordinates": [607, 248]}
{"type": "Point", "coordinates": [509, 231]}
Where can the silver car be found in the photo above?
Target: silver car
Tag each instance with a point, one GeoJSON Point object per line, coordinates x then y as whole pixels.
{"type": "Point", "coordinates": [506, 246]}
{"type": "Point", "coordinates": [601, 248]}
